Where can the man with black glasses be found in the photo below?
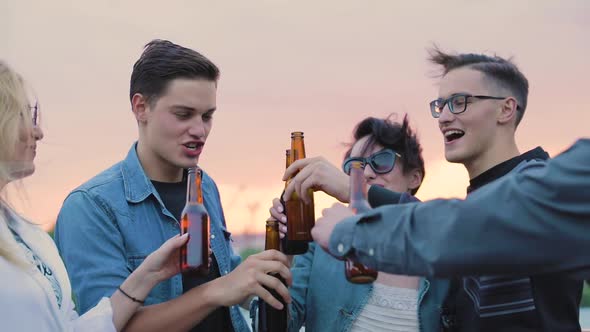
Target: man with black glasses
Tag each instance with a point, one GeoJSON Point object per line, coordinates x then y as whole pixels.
{"type": "Point", "coordinates": [481, 102]}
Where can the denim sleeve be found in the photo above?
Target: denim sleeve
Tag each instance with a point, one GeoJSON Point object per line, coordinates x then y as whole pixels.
{"type": "Point", "coordinates": [301, 270]}
{"type": "Point", "coordinates": [535, 220]}
{"type": "Point", "coordinates": [92, 248]}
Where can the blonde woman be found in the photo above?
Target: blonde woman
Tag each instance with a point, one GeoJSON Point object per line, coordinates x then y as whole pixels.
{"type": "Point", "coordinates": [35, 292]}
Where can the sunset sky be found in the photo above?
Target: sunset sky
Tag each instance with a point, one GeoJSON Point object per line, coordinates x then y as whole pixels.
{"type": "Point", "coordinates": [315, 66]}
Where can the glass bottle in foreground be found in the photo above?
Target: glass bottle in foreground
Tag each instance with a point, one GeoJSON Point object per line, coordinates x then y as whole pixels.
{"type": "Point", "coordinates": [194, 255]}
{"type": "Point", "coordinates": [356, 272]}
{"type": "Point", "coordinates": [269, 318]}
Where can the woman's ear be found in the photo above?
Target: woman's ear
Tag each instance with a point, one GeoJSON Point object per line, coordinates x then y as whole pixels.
{"type": "Point", "coordinates": [416, 178]}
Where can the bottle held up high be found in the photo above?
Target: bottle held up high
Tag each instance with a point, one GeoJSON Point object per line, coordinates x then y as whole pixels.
{"type": "Point", "coordinates": [300, 216]}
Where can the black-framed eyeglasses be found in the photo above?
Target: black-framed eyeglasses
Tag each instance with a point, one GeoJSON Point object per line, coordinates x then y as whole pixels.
{"type": "Point", "coordinates": [35, 109]}
{"type": "Point", "coordinates": [381, 162]}
{"type": "Point", "coordinates": [457, 103]}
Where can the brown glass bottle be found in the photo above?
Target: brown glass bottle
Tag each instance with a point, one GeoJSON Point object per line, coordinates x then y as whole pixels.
{"type": "Point", "coordinates": [194, 256]}
{"type": "Point", "coordinates": [300, 216]}
{"type": "Point", "coordinates": [269, 318]}
{"type": "Point", "coordinates": [291, 247]}
{"type": "Point", "coordinates": [356, 272]}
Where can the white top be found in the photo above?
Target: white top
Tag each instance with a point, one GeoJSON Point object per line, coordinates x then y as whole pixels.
{"type": "Point", "coordinates": [28, 300]}
{"type": "Point", "coordinates": [389, 309]}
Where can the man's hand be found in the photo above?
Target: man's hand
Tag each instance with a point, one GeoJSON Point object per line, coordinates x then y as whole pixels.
{"type": "Point", "coordinates": [324, 226]}
{"type": "Point", "coordinates": [319, 175]}
{"type": "Point", "coordinates": [250, 278]}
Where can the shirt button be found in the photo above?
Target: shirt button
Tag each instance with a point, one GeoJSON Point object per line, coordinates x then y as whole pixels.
{"type": "Point", "coordinates": [371, 252]}
{"type": "Point", "coordinates": [340, 248]}
{"type": "Point", "coordinates": [212, 236]}
{"type": "Point", "coordinates": [224, 271]}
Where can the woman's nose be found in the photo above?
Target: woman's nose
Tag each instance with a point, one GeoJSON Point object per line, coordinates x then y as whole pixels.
{"type": "Point", "coordinates": [37, 133]}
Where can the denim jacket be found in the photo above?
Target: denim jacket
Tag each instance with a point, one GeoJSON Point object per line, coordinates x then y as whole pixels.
{"type": "Point", "coordinates": [333, 304]}
{"type": "Point", "coordinates": [108, 225]}
{"type": "Point", "coordinates": [323, 300]}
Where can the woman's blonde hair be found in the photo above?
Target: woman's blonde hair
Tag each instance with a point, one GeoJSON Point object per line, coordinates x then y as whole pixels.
{"type": "Point", "coordinates": [14, 107]}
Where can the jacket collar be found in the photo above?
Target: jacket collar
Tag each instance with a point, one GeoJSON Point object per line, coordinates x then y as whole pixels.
{"type": "Point", "coordinates": [505, 167]}
{"type": "Point", "coordinates": [135, 182]}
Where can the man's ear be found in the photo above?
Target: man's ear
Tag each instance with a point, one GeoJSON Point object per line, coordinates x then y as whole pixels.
{"type": "Point", "coordinates": [508, 110]}
{"type": "Point", "coordinates": [139, 106]}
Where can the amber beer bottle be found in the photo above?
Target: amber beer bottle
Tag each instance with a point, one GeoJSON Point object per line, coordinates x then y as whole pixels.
{"type": "Point", "coordinates": [194, 256]}
{"type": "Point", "coordinates": [291, 247]}
{"type": "Point", "coordinates": [300, 216]}
{"type": "Point", "coordinates": [269, 318]}
{"type": "Point", "coordinates": [356, 272]}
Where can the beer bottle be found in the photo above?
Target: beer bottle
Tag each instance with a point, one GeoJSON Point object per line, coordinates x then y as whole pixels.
{"type": "Point", "coordinates": [356, 272]}
{"type": "Point", "coordinates": [291, 247]}
{"type": "Point", "coordinates": [194, 255]}
{"type": "Point", "coordinates": [269, 318]}
{"type": "Point", "coordinates": [300, 216]}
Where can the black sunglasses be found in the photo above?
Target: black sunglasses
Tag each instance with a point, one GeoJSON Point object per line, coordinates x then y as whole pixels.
{"type": "Point", "coordinates": [381, 162]}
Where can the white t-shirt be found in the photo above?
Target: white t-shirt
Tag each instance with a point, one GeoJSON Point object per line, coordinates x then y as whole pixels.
{"type": "Point", "coordinates": [389, 308]}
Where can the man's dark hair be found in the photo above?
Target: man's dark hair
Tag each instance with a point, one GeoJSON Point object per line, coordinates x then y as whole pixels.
{"type": "Point", "coordinates": [163, 61]}
{"type": "Point", "coordinates": [392, 135]}
{"type": "Point", "coordinates": [504, 73]}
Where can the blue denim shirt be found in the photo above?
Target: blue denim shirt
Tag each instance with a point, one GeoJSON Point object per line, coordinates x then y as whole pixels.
{"type": "Point", "coordinates": [324, 300]}
{"type": "Point", "coordinates": [108, 225]}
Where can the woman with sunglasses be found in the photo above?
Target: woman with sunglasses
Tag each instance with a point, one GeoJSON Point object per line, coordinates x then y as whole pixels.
{"type": "Point", "coordinates": [35, 294]}
{"type": "Point", "coordinates": [323, 300]}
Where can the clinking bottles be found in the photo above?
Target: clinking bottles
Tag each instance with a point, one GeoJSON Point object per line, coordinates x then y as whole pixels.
{"type": "Point", "coordinates": [269, 318]}
{"type": "Point", "coordinates": [300, 216]}
{"type": "Point", "coordinates": [355, 272]}
{"type": "Point", "coordinates": [194, 256]}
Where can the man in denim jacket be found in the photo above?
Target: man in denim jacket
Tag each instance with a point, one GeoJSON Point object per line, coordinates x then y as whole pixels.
{"type": "Point", "coordinates": [481, 102]}
{"type": "Point", "coordinates": [108, 225]}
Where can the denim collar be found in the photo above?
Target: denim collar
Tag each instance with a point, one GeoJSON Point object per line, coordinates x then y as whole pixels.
{"type": "Point", "coordinates": [137, 185]}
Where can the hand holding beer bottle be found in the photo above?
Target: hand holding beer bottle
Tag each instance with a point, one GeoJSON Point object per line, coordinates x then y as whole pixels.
{"type": "Point", "coordinates": [300, 215]}
{"type": "Point", "coordinates": [356, 272]}
{"type": "Point", "coordinates": [269, 318]}
{"type": "Point", "coordinates": [194, 255]}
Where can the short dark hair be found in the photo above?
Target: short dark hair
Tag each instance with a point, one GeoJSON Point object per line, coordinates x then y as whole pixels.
{"type": "Point", "coordinates": [163, 61]}
{"type": "Point", "coordinates": [501, 71]}
{"type": "Point", "coordinates": [393, 135]}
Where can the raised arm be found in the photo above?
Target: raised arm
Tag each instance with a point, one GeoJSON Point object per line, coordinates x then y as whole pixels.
{"type": "Point", "coordinates": [535, 220]}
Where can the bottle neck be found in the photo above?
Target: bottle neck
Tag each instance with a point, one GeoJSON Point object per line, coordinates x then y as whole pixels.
{"type": "Point", "coordinates": [358, 193]}
{"type": "Point", "coordinates": [194, 193]}
{"type": "Point", "coordinates": [288, 162]}
{"type": "Point", "coordinates": [297, 148]}
{"type": "Point", "coordinates": [272, 240]}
